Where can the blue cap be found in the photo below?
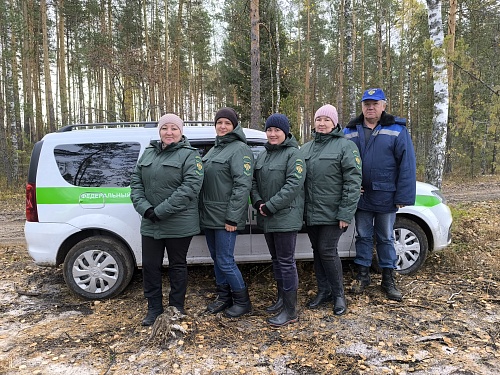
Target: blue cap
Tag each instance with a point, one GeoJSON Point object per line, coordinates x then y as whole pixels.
{"type": "Point", "coordinates": [373, 94]}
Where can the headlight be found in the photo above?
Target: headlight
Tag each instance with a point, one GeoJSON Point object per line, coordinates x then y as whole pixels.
{"type": "Point", "coordinates": [439, 195]}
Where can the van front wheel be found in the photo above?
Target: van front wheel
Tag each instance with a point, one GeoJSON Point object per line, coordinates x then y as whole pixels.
{"type": "Point", "coordinates": [98, 267]}
{"type": "Point", "coordinates": [411, 244]}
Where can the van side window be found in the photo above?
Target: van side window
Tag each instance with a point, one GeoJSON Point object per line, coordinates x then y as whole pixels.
{"type": "Point", "coordinates": [97, 164]}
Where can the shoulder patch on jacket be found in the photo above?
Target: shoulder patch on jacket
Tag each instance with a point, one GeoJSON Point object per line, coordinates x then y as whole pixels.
{"type": "Point", "coordinates": [299, 168]}
{"type": "Point", "coordinates": [247, 165]}
{"type": "Point", "coordinates": [357, 158]}
{"type": "Point", "coordinates": [199, 165]}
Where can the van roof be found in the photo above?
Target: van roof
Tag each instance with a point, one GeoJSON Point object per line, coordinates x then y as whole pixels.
{"type": "Point", "coordinates": [193, 130]}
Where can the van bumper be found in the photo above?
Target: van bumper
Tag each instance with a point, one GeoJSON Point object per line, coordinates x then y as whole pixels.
{"type": "Point", "coordinates": [45, 239]}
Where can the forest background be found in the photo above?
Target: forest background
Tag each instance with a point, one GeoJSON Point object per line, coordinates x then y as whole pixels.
{"type": "Point", "coordinates": [71, 61]}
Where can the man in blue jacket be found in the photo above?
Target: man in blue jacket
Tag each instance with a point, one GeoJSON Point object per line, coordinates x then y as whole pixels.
{"type": "Point", "coordinates": [389, 183]}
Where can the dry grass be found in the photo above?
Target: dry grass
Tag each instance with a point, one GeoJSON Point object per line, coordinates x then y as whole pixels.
{"type": "Point", "coordinates": [476, 247]}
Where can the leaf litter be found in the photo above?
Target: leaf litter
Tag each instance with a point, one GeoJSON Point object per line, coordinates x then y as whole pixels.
{"type": "Point", "coordinates": [448, 322]}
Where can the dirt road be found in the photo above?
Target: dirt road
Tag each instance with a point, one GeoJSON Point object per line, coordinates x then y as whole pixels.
{"type": "Point", "coordinates": [448, 323]}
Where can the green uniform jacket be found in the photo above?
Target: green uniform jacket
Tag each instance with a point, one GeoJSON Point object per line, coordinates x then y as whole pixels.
{"type": "Point", "coordinates": [226, 187]}
{"type": "Point", "coordinates": [279, 183]}
{"type": "Point", "coordinates": [333, 180]}
{"type": "Point", "coordinates": [169, 180]}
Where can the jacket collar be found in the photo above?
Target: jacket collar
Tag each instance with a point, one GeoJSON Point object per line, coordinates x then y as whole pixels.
{"type": "Point", "coordinates": [322, 137]}
{"type": "Point", "coordinates": [236, 134]}
{"type": "Point", "coordinates": [385, 120]}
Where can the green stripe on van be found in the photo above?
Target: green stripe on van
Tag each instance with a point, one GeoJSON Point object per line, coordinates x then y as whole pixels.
{"type": "Point", "coordinates": [110, 195]}
{"type": "Point", "coordinates": [427, 201]}
{"type": "Point", "coordinates": [82, 195]}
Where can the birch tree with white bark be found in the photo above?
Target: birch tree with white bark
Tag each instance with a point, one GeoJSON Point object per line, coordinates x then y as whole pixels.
{"type": "Point", "coordinates": [437, 151]}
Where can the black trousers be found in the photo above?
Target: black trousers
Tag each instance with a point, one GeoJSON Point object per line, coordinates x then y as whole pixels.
{"type": "Point", "coordinates": [282, 249]}
{"type": "Point", "coordinates": [153, 251]}
{"type": "Point", "coordinates": [327, 263]}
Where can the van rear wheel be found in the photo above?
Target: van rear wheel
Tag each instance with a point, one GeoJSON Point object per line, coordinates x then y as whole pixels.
{"type": "Point", "coordinates": [98, 267]}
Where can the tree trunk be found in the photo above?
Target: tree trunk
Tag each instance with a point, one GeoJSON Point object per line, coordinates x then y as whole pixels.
{"type": "Point", "coordinates": [37, 90]}
{"type": "Point", "coordinates": [306, 132]}
{"type": "Point", "coordinates": [61, 65]}
{"type": "Point", "coordinates": [341, 60]}
{"type": "Point", "coordinates": [351, 57]}
{"type": "Point", "coordinates": [255, 114]}
{"type": "Point", "coordinates": [452, 18]}
{"type": "Point", "coordinates": [11, 158]}
{"type": "Point", "coordinates": [402, 61]}
{"type": "Point", "coordinates": [165, 101]}
{"type": "Point", "coordinates": [435, 162]}
{"type": "Point", "coordinates": [177, 58]}
{"type": "Point", "coordinates": [16, 102]}
{"type": "Point", "coordinates": [110, 89]}
{"type": "Point", "coordinates": [278, 62]}
{"type": "Point", "coordinates": [49, 101]}
{"type": "Point", "coordinates": [27, 73]}
{"type": "Point", "coordinates": [362, 57]}
{"type": "Point", "coordinates": [380, 62]}
{"type": "Point", "coordinates": [150, 104]}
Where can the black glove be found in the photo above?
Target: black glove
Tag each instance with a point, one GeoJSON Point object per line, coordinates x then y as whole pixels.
{"type": "Point", "coordinates": [150, 214]}
{"type": "Point", "coordinates": [257, 204]}
{"type": "Point", "coordinates": [266, 211]}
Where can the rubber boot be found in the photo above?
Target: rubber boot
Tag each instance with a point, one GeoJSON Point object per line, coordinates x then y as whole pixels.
{"type": "Point", "coordinates": [389, 286]}
{"type": "Point", "coordinates": [223, 300]}
{"type": "Point", "coordinates": [339, 305]}
{"type": "Point", "coordinates": [289, 312]}
{"type": "Point", "coordinates": [322, 297]}
{"type": "Point", "coordinates": [362, 280]}
{"type": "Point", "coordinates": [278, 305]}
{"type": "Point", "coordinates": [155, 309]}
{"type": "Point", "coordinates": [178, 285]}
{"type": "Point", "coordinates": [241, 304]}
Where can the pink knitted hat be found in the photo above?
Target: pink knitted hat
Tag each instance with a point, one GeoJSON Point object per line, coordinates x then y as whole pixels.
{"type": "Point", "coordinates": [328, 110]}
{"type": "Point", "coordinates": [170, 118]}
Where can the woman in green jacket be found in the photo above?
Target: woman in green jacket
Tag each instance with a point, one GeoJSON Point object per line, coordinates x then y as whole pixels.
{"type": "Point", "coordinates": [224, 210]}
{"type": "Point", "coordinates": [278, 196]}
{"type": "Point", "coordinates": [332, 190]}
{"type": "Point", "coordinates": [164, 190]}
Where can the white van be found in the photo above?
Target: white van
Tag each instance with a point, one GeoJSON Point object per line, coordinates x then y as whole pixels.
{"type": "Point", "coordinates": [79, 213]}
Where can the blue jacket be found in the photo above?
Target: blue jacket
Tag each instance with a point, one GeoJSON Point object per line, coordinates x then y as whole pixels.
{"type": "Point", "coordinates": [389, 165]}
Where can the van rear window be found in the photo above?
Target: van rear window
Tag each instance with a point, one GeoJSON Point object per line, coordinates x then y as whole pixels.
{"type": "Point", "coordinates": [97, 164]}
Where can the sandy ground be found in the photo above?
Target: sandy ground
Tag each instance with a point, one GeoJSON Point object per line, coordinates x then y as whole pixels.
{"type": "Point", "coordinates": [448, 323]}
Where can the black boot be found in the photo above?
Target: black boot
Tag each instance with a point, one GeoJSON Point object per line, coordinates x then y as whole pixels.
{"type": "Point", "coordinates": [389, 286]}
{"type": "Point", "coordinates": [322, 297]}
{"type": "Point", "coordinates": [289, 312]}
{"type": "Point", "coordinates": [339, 305]}
{"type": "Point", "coordinates": [178, 285]}
{"type": "Point", "coordinates": [155, 309]}
{"type": "Point", "coordinates": [362, 280]}
{"type": "Point", "coordinates": [278, 305]}
{"type": "Point", "coordinates": [241, 304]}
{"type": "Point", "coordinates": [223, 300]}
